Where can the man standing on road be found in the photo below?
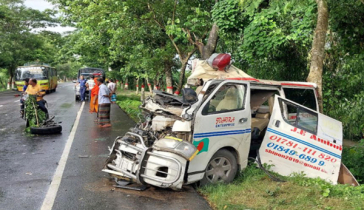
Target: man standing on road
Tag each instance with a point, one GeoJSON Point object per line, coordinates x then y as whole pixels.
{"type": "Point", "coordinates": [35, 89]}
{"type": "Point", "coordinates": [104, 104]}
{"type": "Point", "coordinates": [90, 83]}
{"type": "Point", "coordinates": [82, 83]}
{"type": "Point", "coordinates": [112, 88]}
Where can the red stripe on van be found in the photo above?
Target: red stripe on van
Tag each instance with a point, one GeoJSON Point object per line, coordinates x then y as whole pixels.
{"type": "Point", "coordinates": [295, 84]}
{"type": "Point", "coordinates": [243, 78]}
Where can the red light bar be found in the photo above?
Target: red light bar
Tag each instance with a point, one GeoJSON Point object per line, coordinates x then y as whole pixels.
{"type": "Point", "coordinates": [219, 61]}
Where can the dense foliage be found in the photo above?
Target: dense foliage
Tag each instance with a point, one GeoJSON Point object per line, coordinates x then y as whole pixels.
{"type": "Point", "coordinates": [150, 42]}
{"type": "Point", "coordinates": [353, 158]}
{"type": "Point", "coordinates": [272, 40]}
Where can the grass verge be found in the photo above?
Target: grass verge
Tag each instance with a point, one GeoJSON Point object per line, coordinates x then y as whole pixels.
{"type": "Point", "coordinates": [254, 190]}
{"type": "Point", "coordinates": [129, 102]}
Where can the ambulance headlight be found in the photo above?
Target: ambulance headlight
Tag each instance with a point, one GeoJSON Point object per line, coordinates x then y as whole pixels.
{"type": "Point", "coordinates": [176, 146]}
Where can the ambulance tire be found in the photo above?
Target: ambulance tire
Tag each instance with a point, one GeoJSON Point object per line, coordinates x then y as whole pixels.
{"type": "Point", "coordinates": [223, 170]}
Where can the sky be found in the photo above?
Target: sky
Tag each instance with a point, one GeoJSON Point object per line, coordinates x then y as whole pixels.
{"type": "Point", "coordinates": [42, 5]}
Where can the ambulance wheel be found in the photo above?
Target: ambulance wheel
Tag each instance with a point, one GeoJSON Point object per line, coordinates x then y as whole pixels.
{"type": "Point", "coordinates": [222, 168]}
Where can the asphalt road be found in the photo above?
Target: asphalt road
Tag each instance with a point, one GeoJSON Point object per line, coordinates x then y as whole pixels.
{"type": "Point", "coordinates": [28, 163]}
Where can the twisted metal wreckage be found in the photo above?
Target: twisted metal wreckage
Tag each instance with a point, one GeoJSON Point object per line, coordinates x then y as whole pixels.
{"type": "Point", "coordinates": [207, 135]}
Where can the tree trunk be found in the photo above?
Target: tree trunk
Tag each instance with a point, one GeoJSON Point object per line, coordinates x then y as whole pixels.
{"type": "Point", "coordinates": [318, 48]}
{"type": "Point", "coordinates": [181, 76]}
{"type": "Point", "coordinates": [161, 83]}
{"type": "Point", "coordinates": [184, 62]}
{"type": "Point", "coordinates": [126, 84]}
{"type": "Point", "coordinates": [121, 85]}
{"type": "Point", "coordinates": [149, 85]}
{"type": "Point", "coordinates": [11, 77]}
{"type": "Point", "coordinates": [13, 83]}
{"type": "Point", "coordinates": [168, 72]}
{"type": "Point", "coordinates": [10, 82]}
{"type": "Point", "coordinates": [155, 83]}
{"type": "Point", "coordinates": [207, 50]}
{"type": "Point", "coordinates": [137, 86]}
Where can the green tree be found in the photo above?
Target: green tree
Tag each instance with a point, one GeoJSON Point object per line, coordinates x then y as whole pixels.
{"type": "Point", "coordinates": [18, 44]}
{"type": "Point", "coordinates": [115, 28]}
{"type": "Point", "coordinates": [268, 39]}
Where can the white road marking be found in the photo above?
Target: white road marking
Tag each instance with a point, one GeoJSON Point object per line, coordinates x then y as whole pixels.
{"type": "Point", "coordinates": [16, 101]}
{"type": "Point", "coordinates": [57, 177]}
{"type": "Point", "coordinates": [1, 105]}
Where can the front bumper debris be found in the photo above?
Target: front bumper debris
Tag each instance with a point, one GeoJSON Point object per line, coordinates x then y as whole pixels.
{"type": "Point", "coordinates": [130, 159]}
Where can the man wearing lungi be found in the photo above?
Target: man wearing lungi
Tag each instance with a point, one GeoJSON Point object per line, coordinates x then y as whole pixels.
{"type": "Point", "coordinates": [104, 104]}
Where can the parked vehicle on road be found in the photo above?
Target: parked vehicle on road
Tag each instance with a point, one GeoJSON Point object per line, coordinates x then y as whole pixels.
{"type": "Point", "coordinates": [46, 76]}
{"type": "Point", "coordinates": [207, 135]}
{"type": "Point", "coordinates": [87, 73]}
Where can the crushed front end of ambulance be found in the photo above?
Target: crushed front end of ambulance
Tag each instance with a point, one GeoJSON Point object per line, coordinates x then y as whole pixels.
{"type": "Point", "coordinates": [157, 151]}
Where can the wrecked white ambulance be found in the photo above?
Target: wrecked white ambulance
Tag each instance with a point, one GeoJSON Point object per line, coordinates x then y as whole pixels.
{"type": "Point", "coordinates": [207, 135]}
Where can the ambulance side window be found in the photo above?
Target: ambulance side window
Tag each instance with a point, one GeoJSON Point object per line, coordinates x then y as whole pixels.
{"type": "Point", "coordinates": [304, 97]}
{"type": "Point", "coordinates": [229, 97]}
{"type": "Point", "coordinates": [299, 116]}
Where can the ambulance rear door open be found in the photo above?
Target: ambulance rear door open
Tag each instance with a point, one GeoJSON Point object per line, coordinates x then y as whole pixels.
{"type": "Point", "coordinates": [308, 142]}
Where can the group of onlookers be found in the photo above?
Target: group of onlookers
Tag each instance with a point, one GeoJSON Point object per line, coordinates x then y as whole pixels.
{"type": "Point", "coordinates": [101, 97]}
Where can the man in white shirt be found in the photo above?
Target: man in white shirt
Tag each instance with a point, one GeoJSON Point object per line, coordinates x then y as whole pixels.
{"type": "Point", "coordinates": [112, 88]}
{"type": "Point", "coordinates": [90, 83]}
{"type": "Point", "coordinates": [104, 104]}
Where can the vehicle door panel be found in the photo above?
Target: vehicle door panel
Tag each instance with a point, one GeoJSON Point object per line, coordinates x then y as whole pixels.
{"type": "Point", "coordinates": [309, 142]}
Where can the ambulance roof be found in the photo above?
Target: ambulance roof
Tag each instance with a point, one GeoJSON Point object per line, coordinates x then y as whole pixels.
{"type": "Point", "coordinates": [202, 70]}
